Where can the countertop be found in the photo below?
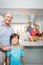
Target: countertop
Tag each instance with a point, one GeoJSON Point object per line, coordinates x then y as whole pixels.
{"type": "Point", "coordinates": [27, 43]}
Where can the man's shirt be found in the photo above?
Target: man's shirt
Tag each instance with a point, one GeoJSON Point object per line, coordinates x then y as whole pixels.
{"type": "Point", "coordinates": [5, 33]}
{"type": "Point", "coordinates": [30, 29]}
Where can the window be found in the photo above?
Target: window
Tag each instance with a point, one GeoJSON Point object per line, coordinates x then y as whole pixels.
{"type": "Point", "coordinates": [18, 27]}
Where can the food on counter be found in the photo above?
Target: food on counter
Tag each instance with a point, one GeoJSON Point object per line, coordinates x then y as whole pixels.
{"type": "Point", "coordinates": [33, 39]}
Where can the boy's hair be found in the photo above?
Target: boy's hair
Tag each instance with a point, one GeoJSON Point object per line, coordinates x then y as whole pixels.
{"type": "Point", "coordinates": [14, 35]}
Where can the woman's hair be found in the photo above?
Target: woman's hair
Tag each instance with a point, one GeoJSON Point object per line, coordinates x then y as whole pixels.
{"type": "Point", "coordinates": [14, 35]}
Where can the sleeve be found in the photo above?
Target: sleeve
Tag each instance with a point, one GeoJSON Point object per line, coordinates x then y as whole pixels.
{"type": "Point", "coordinates": [8, 53]}
{"type": "Point", "coordinates": [22, 53]}
{"type": "Point", "coordinates": [12, 30]}
{"type": "Point", "coordinates": [29, 35]}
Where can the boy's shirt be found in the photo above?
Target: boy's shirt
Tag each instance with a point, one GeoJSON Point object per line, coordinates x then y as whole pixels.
{"type": "Point", "coordinates": [25, 36]}
{"type": "Point", "coordinates": [15, 55]}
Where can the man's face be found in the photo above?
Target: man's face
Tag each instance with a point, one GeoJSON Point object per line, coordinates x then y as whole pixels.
{"type": "Point", "coordinates": [29, 24]}
{"type": "Point", "coordinates": [8, 18]}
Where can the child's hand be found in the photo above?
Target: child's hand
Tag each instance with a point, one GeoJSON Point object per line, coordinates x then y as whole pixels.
{"type": "Point", "coordinates": [6, 48]}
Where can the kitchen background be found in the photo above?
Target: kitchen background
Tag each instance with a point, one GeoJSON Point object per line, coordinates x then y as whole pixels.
{"type": "Point", "coordinates": [23, 12]}
{"type": "Point", "coordinates": [22, 16]}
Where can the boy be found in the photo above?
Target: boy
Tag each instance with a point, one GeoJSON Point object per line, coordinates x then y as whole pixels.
{"type": "Point", "coordinates": [16, 55]}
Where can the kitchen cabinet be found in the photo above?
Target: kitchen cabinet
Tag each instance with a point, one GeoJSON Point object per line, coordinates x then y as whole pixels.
{"type": "Point", "coordinates": [33, 52]}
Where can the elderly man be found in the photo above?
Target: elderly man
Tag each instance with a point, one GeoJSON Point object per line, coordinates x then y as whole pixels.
{"type": "Point", "coordinates": [5, 32]}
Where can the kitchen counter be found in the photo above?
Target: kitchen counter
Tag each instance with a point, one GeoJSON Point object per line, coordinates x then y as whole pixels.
{"type": "Point", "coordinates": [33, 52]}
{"type": "Point", "coordinates": [27, 43]}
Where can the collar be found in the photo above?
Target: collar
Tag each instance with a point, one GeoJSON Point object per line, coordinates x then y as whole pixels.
{"type": "Point", "coordinates": [4, 25]}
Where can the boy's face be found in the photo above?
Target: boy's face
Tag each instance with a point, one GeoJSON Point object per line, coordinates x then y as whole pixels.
{"type": "Point", "coordinates": [15, 40]}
